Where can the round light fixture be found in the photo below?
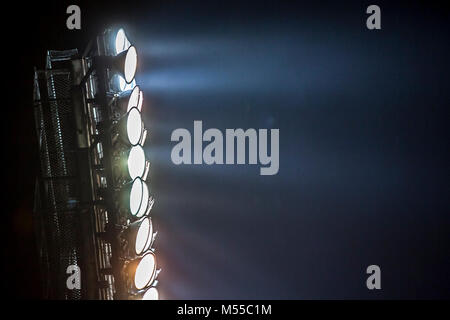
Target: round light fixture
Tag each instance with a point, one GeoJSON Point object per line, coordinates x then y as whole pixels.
{"type": "Point", "coordinates": [136, 196]}
{"type": "Point", "coordinates": [151, 294]}
{"type": "Point", "coordinates": [134, 126]}
{"type": "Point", "coordinates": [121, 41]}
{"type": "Point", "coordinates": [123, 85]}
{"type": "Point", "coordinates": [145, 271]}
{"type": "Point", "coordinates": [135, 96]}
{"type": "Point", "coordinates": [144, 236]}
{"type": "Point", "coordinates": [136, 162]}
{"type": "Point", "coordinates": [130, 64]}
{"type": "Point", "coordinates": [144, 202]}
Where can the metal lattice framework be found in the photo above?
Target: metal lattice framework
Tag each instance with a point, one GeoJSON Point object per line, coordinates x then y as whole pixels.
{"type": "Point", "coordinates": [80, 216]}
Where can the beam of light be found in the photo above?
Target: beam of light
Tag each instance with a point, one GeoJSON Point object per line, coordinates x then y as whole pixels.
{"type": "Point", "coordinates": [251, 64]}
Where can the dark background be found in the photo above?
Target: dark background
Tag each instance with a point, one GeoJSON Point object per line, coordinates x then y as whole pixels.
{"type": "Point", "coordinates": [364, 164]}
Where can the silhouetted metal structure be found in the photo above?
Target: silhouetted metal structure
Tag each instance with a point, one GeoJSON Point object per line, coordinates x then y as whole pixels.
{"type": "Point", "coordinates": [63, 191]}
{"type": "Point", "coordinates": [78, 221]}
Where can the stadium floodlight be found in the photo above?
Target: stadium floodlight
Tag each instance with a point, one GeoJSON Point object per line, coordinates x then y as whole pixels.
{"type": "Point", "coordinates": [141, 272]}
{"type": "Point", "coordinates": [139, 236]}
{"type": "Point", "coordinates": [123, 85]}
{"type": "Point", "coordinates": [121, 41]}
{"type": "Point", "coordinates": [144, 236]}
{"type": "Point", "coordinates": [124, 193]}
{"type": "Point", "coordinates": [134, 126]}
{"type": "Point", "coordinates": [145, 200]}
{"type": "Point", "coordinates": [118, 83]}
{"type": "Point", "coordinates": [130, 128]}
{"type": "Point", "coordinates": [133, 165]}
{"type": "Point", "coordinates": [136, 198]}
{"type": "Point", "coordinates": [131, 196]}
{"type": "Point", "coordinates": [130, 64]}
{"type": "Point", "coordinates": [136, 163]}
{"type": "Point", "coordinates": [129, 99]}
{"type": "Point", "coordinates": [125, 64]}
{"type": "Point", "coordinates": [145, 271]}
{"type": "Point", "coordinates": [130, 163]}
{"type": "Point", "coordinates": [151, 294]}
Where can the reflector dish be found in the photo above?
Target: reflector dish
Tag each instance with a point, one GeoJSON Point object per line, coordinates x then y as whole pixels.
{"type": "Point", "coordinates": [130, 64]}
{"type": "Point", "coordinates": [134, 98]}
{"type": "Point", "coordinates": [145, 271]}
{"type": "Point", "coordinates": [144, 201]}
{"type": "Point", "coordinates": [121, 43]}
{"type": "Point", "coordinates": [143, 237]}
{"type": "Point", "coordinates": [136, 162]}
{"type": "Point", "coordinates": [151, 294]}
{"type": "Point", "coordinates": [123, 85]}
{"type": "Point", "coordinates": [134, 126]}
{"type": "Point", "coordinates": [136, 196]}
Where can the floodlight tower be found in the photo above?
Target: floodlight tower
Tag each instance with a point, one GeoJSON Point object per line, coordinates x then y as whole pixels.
{"type": "Point", "coordinates": [101, 136]}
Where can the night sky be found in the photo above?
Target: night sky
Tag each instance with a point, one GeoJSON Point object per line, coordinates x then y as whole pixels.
{"type": "Point", "coordinates": [364, 164]}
